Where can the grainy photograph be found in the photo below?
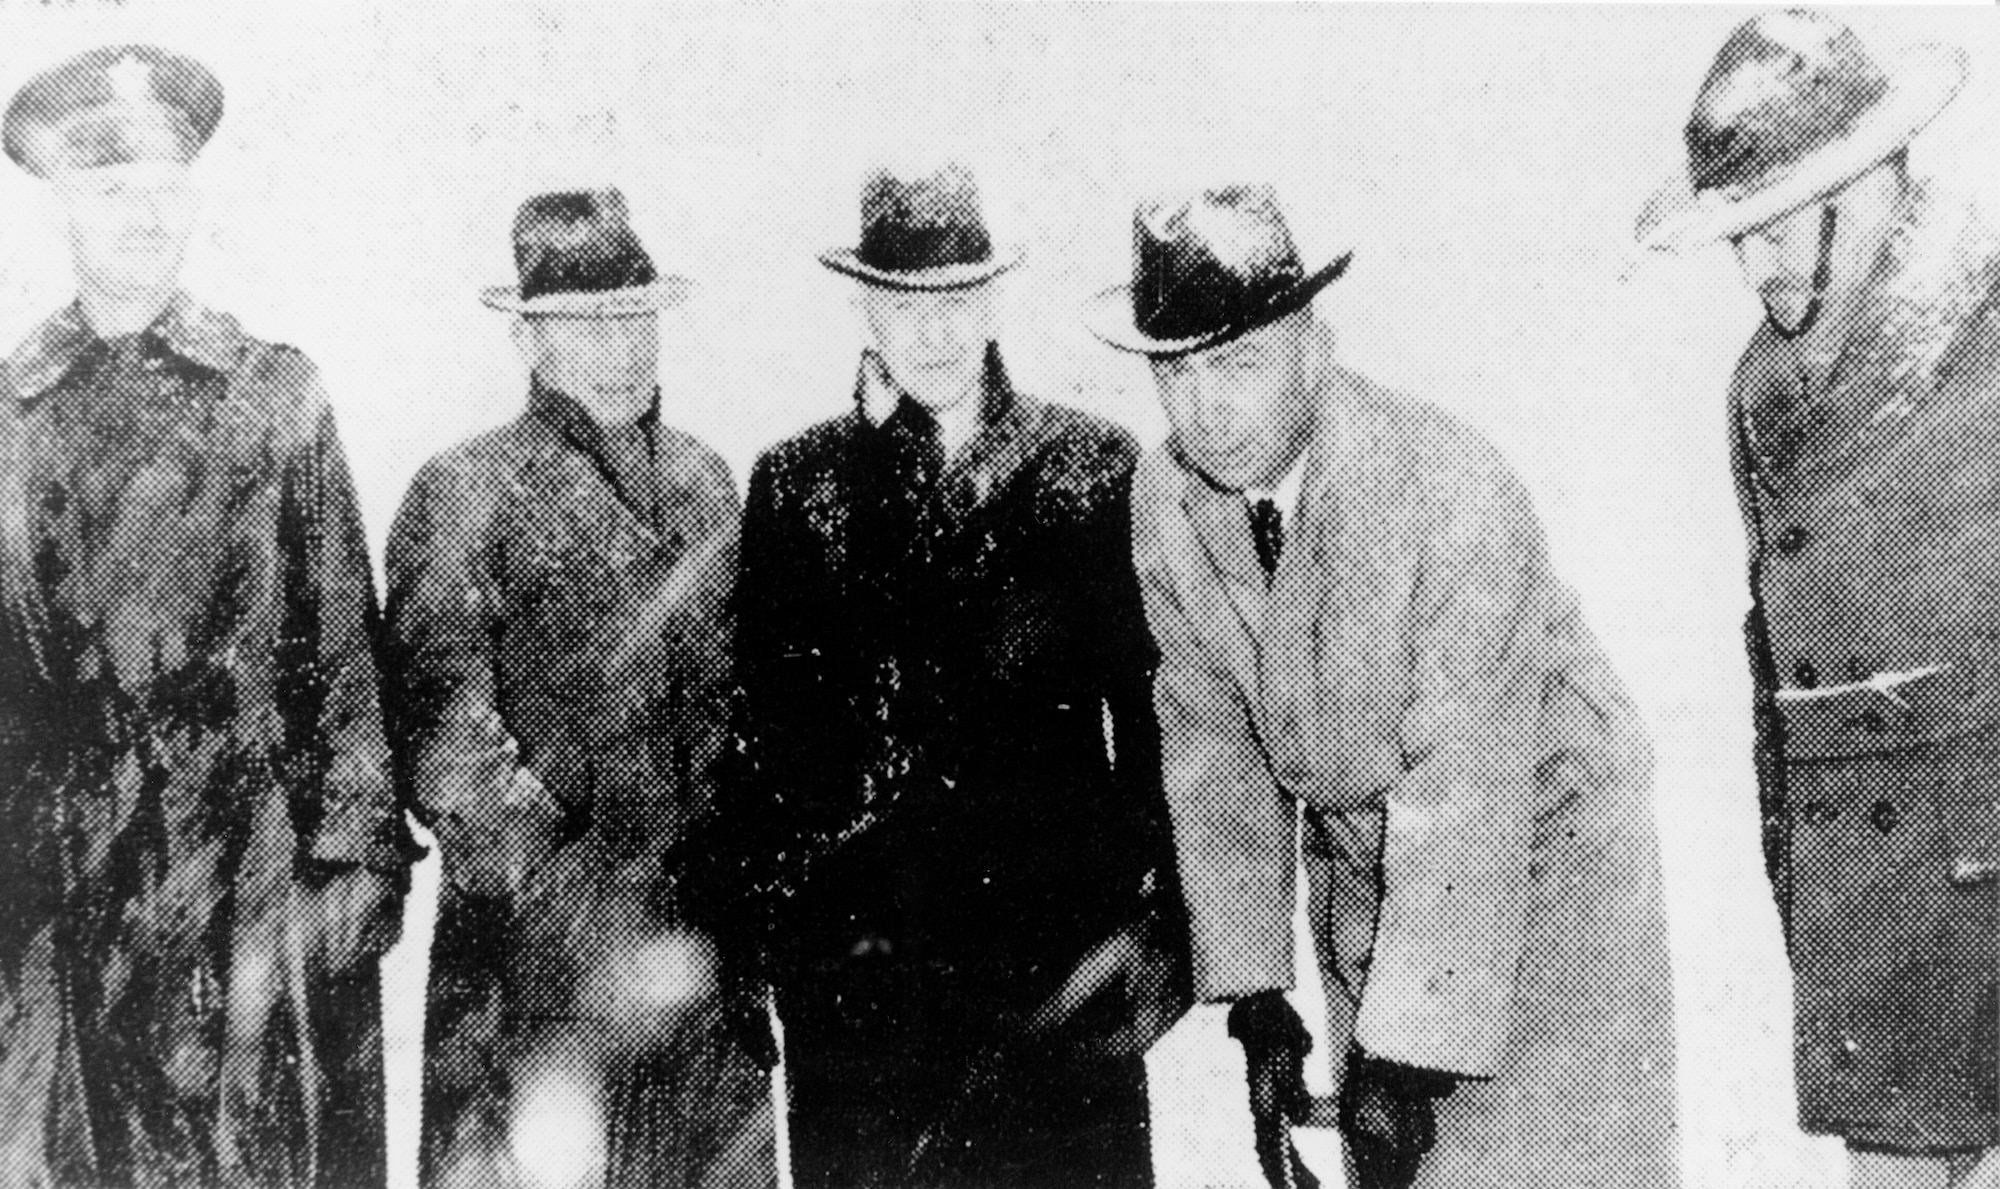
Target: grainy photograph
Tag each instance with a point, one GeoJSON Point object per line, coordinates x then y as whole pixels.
{"type": "Point", "coordinates": [838, 596]}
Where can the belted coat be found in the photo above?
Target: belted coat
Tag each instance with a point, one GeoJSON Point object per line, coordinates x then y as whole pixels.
{"type": "Point", "coordinates": [1870, 490]}
{"type": "Point", "coordinates": [558, 626]}
{"type": "Point", "coordinates": [190, 741]}
{"type": "Point", "coordinates": [1416, 683]}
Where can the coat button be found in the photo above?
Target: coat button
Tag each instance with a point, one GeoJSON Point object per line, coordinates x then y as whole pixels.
{"type": "Point", "coordinates": [1793, 539]}
{"type": "Point", "coordinates": [1885, 816]}
{"type": "Point", "coordinates": [1804, 675]}
{"type": "Point", "coordinates": [1819, 813]}
{"type": "Point", "coordinates": [1873, 722]}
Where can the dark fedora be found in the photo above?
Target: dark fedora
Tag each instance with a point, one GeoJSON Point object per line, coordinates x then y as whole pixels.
{"type": "Point", "coordinates": [1794, 108]}
{"type": "Point", "coordinates": [922, 230]}
{"type": "Point", "coordinates": [577, 256]}
{"type": "Point", "coordinates": [115, 105]}
{"type": "Point", "coordinates": [1206, 268]}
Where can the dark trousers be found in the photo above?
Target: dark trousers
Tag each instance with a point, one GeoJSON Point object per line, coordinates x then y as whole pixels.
{"type": "Point", "coordinates": [877, 1061]}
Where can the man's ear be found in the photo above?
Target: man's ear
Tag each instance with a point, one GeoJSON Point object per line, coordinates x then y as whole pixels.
{"type": "Point", "coordinates": [526, 342]}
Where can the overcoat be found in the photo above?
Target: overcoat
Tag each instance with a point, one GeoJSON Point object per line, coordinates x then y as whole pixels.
{"type": "Point", "coordinates": [189, 737]}
{"type": "Point", "coordinates": [1485, 895]}
{"type": "Point", "coordinates": [558, 632]}
{"type": "Point", "coordinates": [1871, 492]}
{"type": "Point", "coordinates": [954, 779]}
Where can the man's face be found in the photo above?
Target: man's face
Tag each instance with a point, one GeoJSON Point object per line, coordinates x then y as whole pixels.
{"type": "Point", "coordinates": [933, 343]}
{"type": "Point", "coordinates": [1778, 262]}
{"type": "Point", "coordinates": [609, 365]}
{"type": "Point", "coordinates": [1240, 409]}
{"type": "Point", "coordinates": [128, 225]}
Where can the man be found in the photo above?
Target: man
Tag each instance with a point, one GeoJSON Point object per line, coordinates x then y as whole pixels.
{"type": "Point", "coordinates": [951, 786]}
{"type": "Point", "coordinates": [557, 596]}
{"type": "Point", "coordinates": [1356, 615]}
{"type": "Point", "coordinates": [205, 859]}
{"type": "Point", "coordinates": [1862, 419]}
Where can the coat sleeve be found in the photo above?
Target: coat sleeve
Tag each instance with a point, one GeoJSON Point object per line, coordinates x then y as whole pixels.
{"type": "Point", "coordinates": [459, 768]}
{"type": "Point", "coordinates": [1458, 821]}
{"type": "Point", "coordinates": [1234, 830]}
{"type": "Point", "coordinates": [328, 672]}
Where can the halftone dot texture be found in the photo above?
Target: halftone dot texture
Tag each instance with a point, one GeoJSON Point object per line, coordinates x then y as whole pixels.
{"type": "Point", "coordinates": [191, 723]}
{"type": "Point", "coordinates": [558, 627]}
{"type": "Point", "coordinates": [1866, 479]}
{"type": "Point", "coordinates": [1484, 892]}
{"type": "Point", "coordinates": [113, 106]}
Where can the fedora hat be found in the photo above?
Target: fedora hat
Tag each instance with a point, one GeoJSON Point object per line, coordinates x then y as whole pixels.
{"type": "Point", "coordinates": [577, 256]}
{"type": "Point", "coordinates": [922, 230]}
{"type": "Point", "coordinates": [114, 105]}
{"type": "Point", "coordinates": [1206, 268]}
{"type": "Point", "coordinates": [1794, 108]}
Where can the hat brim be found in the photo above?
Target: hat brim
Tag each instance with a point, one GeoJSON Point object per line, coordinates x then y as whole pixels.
{"type": "Point", "coordinates": [1109, 315]}
{"type": "Point", "coordinates": [1678, 219]}
{"type": "Point", "coordinates": [951, 276]}
{"type": "Point", "coordinates": [609, 303]}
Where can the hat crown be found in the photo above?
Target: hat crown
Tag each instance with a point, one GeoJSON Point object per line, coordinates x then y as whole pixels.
{"type": "Point", "coordinates": [578, 241]}
{"type": "Point", "coordinates": [1785, 85]}
{"type": "Point", "coordinates": [112, 106]}
{"type": "Point", "coordinates": [1210, 261]}
{"type": "Point", "coordinates": [926, 220]}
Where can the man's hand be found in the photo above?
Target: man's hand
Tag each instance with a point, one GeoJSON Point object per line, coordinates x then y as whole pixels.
{"type": "Point", "coordinates": [1388, 1118]}
{"type": "Point", "coordinates": [351, 915]}
{"type": "Point", "coordinates": [1275, 1043]}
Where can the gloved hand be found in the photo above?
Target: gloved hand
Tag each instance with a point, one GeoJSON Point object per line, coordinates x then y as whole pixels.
{"type": "Point", "coordinates": [1275, 1043]}
{"type": "Point", "coordinates": [1388, 1117]}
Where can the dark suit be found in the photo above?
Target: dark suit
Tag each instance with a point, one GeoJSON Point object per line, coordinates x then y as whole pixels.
{"type": "Point", "coordinates": [939, 665]}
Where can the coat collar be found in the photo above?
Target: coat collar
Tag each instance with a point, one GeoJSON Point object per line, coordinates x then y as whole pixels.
{"type": "Point", "coordinates": [1938, 265]}
{"type": "Point", "coordinates": [190, 331]}
{"type": "Point", "coordinates": [1010, 422]}
{"type": "Point", "coordinates": [567, 416]}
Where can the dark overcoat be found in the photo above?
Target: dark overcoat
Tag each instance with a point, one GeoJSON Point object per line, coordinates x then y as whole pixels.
{"type": "Point", "coordinates": [558, 649]}
{"type": "Point", "coordinates": [189, 730]}
{"type": "Point", "coordinates": [1871, 491]}
{"type": "Point", "coordinates": [953, 779]}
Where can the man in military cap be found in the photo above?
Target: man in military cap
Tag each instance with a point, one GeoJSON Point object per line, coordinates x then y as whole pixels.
{"type": "Point", "coordinates": [1864, 420]}
{"type": "Point", "coordinates": [1357, 617]}
{"type": "Point", "coordinates": [204, 858]}
{"type": "Point", "coordinates": [951, 793]}
{"type": "Point", "coordinates": [558, 593]}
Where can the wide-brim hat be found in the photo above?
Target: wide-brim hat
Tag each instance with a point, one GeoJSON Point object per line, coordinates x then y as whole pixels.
{"type": "Point", "coordinates": [114, 105]}
{"type": "Point", "coordinates": [1207, 268]}
{"type": "Point", "coordinates": [578, 257]}
{"type": "Point", "coordinates": [922, 230]}
{"type": "Point", "coordinates": [1794, 109]}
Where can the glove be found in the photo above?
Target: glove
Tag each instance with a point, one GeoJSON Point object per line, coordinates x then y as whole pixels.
{"type": "Point", "coordinates": [1275, 1043]}
{"type": "Point", "coordinates": [351, 915]}
{"type": "Point", "coordinates": [1388, 1118]}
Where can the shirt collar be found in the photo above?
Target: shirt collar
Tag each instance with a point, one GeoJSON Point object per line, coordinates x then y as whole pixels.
{"type": "Point", "coordinates": [1286, 494]}
{"type": "Point", "coordinates": [188, 329]}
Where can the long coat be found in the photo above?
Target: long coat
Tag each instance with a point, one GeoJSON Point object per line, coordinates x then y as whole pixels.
{"type": "Point", "coordinates": [190, 721]}
{"type": "Point", "coordinates": [558, 633]}
{"type": "Point", "coordinates": [1871, 494]}
{"type": "Point", "coordinates": [953, 783]}
{"type": "Point", "coordinates": [1484, 877]}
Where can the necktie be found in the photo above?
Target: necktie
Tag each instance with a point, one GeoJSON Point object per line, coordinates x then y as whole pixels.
{"type": "Point", "coordinates": [631, 459]}
{"type": "Point", "coordinates": [1267, 528]}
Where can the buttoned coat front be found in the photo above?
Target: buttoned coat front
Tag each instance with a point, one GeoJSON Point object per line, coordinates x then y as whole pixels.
{"type": "Point", "coordinates": [1484, 876]}
{"type": "Point", "coordinates": [558, 632]}
{"type": "Point", "coordinates": [1871, 493]}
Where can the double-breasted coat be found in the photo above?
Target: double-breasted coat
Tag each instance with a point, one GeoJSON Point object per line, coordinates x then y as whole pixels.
{"type": "Point", "coordinates": [1485, 895]}
{"type": "Point", "coordinates": [558, 622]}
{"type": "Point", "coordinates": [952, 780]}
{"type": "Point", "coordinates": [1871, 492]}
{"type": "Point", "coordinates": [189, 742]}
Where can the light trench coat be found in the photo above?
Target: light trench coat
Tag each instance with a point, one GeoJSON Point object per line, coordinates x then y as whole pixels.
{"type": "Point", "coordinates": [1485, 890]}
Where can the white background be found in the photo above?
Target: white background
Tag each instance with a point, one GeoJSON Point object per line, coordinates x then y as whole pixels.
{"type": "Point", "coordinates": [1485, 163]}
